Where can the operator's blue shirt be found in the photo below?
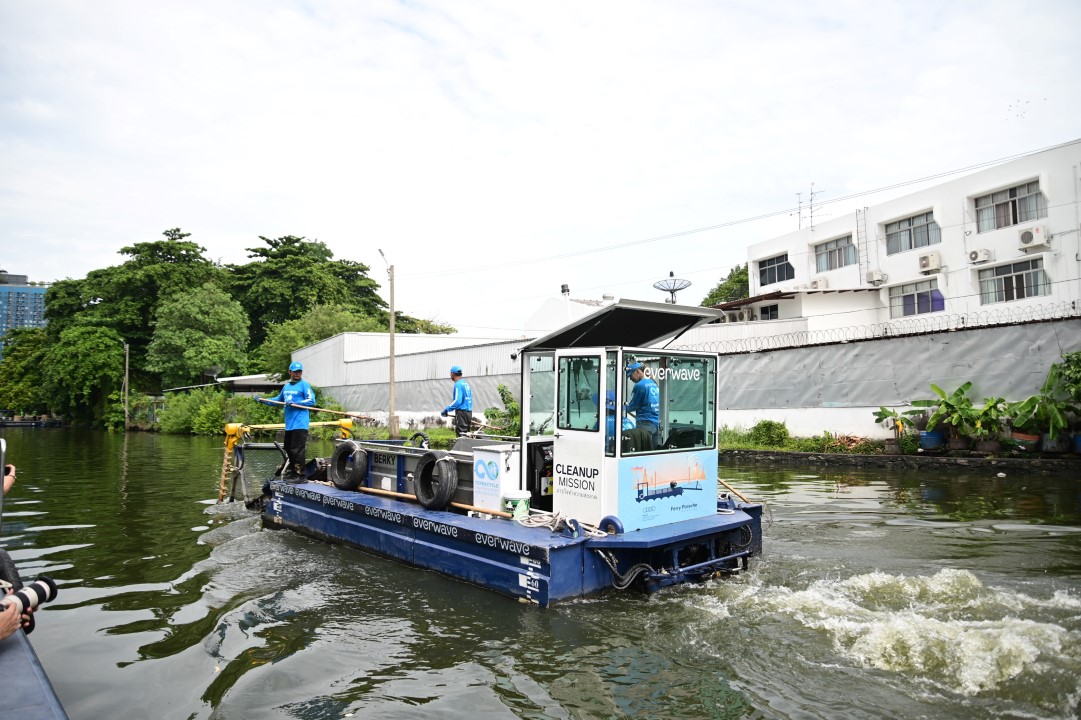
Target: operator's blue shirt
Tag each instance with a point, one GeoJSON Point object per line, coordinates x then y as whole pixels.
{"type": "Point", "coordinates": [645, 401]}
{"type": "Point", "coordinates": [463, 397]}
{"type": "Point", "coordinates": [299, 393]}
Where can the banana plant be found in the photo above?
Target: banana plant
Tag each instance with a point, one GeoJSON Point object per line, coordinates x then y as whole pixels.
{"type": "Point", "coordinates": [1046, 411]}
{"type": "Point", "coordinates": [953, 410]}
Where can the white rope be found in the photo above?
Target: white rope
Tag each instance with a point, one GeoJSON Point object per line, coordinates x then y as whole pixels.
{"type": "Point", "coordinates": [556, 522]}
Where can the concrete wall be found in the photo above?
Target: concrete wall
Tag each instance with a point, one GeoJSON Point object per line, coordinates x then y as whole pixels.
{"type": "Point", "coordinates": [836, 387]}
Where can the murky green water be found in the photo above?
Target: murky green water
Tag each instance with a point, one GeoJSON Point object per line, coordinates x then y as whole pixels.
{"type": "Point", "coordinates": [879, 595]}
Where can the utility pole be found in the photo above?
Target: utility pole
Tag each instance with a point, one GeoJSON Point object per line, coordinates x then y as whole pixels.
{"type": "Point", "coordinates": [127, 349]}
{"type": "Point", "coordinates": [392, 419]}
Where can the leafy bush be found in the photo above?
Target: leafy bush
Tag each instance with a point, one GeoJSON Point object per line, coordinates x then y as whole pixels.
{"type": "Point", "coordinates": [181, 410]}
{"type": "Point", "coordinates": [209, 417]}
{"type": "Point", "coordinates": [509, 420]}
{"type": "Point", "coordinates": [769, 432]}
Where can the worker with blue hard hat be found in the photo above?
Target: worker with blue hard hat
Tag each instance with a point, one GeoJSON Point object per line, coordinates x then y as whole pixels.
{"type": "Point", "coordinates": [645, 402]}
{"type": "Point", "coordinates": [610, 419]}
{"type": "Point", "coordinates": [297, 396]}
{"type": "Point", "coordinates": [462, 404]}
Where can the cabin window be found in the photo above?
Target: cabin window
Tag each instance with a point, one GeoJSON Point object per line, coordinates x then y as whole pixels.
{"type": "Point", "coordinates": [542, 378]}
{"type": "Point", "coordinates": [612, 425]}
{"type": "Point", "coordinates": [578, 402]}
{"type": "Point", "coordinates": [687, 387]}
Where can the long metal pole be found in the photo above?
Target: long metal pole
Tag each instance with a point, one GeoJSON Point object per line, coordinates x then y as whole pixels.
{"type": "Point", "coordinates": [393, 421]}
{"type": "Point", "coordinates": [127, 349]}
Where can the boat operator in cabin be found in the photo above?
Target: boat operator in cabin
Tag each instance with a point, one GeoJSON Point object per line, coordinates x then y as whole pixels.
{"type": "Point", "coordinates": [645, 402]}
{"type": "Point", "coordinates": [462, 404]}
{"type": "Point", "coordinates": [295, 394]}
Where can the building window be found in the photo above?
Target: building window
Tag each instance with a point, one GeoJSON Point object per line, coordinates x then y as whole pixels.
{"type": "Point", "coordinates": [915, 299]}
{"type": "Point", "coordinates": [1013, 282]}
{"type": "Point", "coordinates": [914, 232]}
{"type": "Point", "coordinates": [835, 253]}
{"type": "Point", "coordinates": [775, 270]}
{"type": "Point", "coordinates": [768, 312]}
{"type": "Point", "coordinates": [1010, 207]}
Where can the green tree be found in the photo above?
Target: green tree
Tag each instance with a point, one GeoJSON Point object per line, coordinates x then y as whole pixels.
{"type": "Point", "coordinates": [195, 332]}
{"type": "Point", "coordinates": [318, 323]}
{"type": "Point", "coordinates": [734, 287]}
{"type": "Point", "coordinates": [292, 275]}
{"type": "Point", "coordinates": [23, 389]}
{"type": "Point", "coordinates": [81, 369]}
{"type": "Point", "coordinates": [125, 297]}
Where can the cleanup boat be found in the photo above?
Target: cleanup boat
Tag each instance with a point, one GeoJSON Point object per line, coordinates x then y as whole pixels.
{"type": "Point", "coordinates": [573, 506]}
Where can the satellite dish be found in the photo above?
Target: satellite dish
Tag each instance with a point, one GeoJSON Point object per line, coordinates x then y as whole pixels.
{"type": "Point", "coordinates": [672, 285]}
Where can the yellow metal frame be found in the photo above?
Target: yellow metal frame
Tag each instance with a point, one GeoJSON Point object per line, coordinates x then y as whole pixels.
{"type": "Point", "coordinates": [235, 432]}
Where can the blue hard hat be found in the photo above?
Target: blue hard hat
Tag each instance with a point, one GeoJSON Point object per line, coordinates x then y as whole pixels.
{"type": "Point", "coordinates": [296, 367]}
{"type": "Point", "coordinates": [634, 366]}
{"type": "Point", "coordinates": [455, 370]}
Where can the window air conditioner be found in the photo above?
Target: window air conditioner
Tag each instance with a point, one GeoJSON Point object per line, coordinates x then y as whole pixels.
{"type": "Point", "coordinates": [930, 263]}
{"type": "Point", "coordinates": [979, 256]}
{"type": "Point", "coordinates": [876, 277]}
{"type": "Point", "coordinates": [819, 284]}
{"type": "Point", "coordinates": [1034, 238]}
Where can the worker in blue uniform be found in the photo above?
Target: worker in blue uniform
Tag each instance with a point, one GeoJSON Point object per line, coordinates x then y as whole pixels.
{"type": "Point", "coordinates": [645, 402]}
{"type": "Point", "coordinates": [296, 394]}
{"type": "Point", "coordinates": [610, 419]}
{"type": "Point", "coordinates": [462, 404]}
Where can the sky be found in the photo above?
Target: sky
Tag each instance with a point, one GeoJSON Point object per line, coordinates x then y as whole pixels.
{"type": "Point", "coordinates": [497, 150]}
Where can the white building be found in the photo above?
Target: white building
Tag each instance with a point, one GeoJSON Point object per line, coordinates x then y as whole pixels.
{"type": "Point", "coordinates": [997, 242]}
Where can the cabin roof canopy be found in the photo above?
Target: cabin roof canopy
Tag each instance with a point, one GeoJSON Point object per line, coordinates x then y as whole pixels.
{"type": "Point", "coordinates": [630, 323]}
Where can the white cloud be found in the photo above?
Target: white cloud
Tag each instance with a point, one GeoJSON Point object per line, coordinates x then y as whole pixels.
{"type": "Point", "coordinates": [478, 133]}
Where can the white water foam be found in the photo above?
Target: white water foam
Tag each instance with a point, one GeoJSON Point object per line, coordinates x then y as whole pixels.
{"type": "Point", "coordinates": [947, 629]}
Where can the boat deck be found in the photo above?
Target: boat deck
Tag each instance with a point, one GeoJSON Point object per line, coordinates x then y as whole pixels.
{"type": "Point", "coordinates": [28, 694]}
{"type": "Point", "coordinates": [533, 564]}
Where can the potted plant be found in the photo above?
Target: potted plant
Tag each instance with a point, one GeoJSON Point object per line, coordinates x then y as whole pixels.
{"type": "Point", "coordinates": [1045, 414]}
{"type": "Point", "coordinates": [953, 411]}
{"type": "Point", "coordinates": [1069, 378]}
{"type": "Point", "coordinates": [988, 424]}
{"type": "Point", "coordinates": [899, 422]}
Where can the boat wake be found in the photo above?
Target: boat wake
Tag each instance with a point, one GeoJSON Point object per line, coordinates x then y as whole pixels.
{"type": "Point", "coordinates": [947, 631]}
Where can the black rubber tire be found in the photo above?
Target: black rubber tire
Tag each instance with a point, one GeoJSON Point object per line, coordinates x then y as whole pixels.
{"type": "Point", "coordinates": [435, 480]}
{"type": "Point", "coordinates": [418, 439]}
{"type": "Point", "coordinates": [9, 572]}
{"type": "Point", "coordinates": [348, 466]}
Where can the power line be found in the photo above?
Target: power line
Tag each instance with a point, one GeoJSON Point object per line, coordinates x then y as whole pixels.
{"type": "Point", "coordinates": [731, 223]}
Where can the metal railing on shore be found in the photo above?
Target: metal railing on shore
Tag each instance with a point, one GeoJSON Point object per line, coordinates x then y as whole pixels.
{"type": "Point", "coordinates": [920, 325]}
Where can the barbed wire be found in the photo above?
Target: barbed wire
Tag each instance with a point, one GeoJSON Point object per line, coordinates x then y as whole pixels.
{"type": "Point", "coordinates": [938, 323]}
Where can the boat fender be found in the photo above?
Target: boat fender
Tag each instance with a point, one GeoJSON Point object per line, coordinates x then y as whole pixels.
{"type": "Point", "coordinates": [348, 466]}
{"type": "Point", "coordinates": [9, 573]}
{"type": "Point", "coordinates": [611, 525]}
{"type": "Point", "coordinates": [435, 479]}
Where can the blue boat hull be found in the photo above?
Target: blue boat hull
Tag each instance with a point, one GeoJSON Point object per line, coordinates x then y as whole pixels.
{"type": "Point", "coordinates": [532, 564]}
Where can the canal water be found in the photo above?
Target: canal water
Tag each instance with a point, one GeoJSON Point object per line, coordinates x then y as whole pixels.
{"type": "Point", "coordinates": [880, 595]}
